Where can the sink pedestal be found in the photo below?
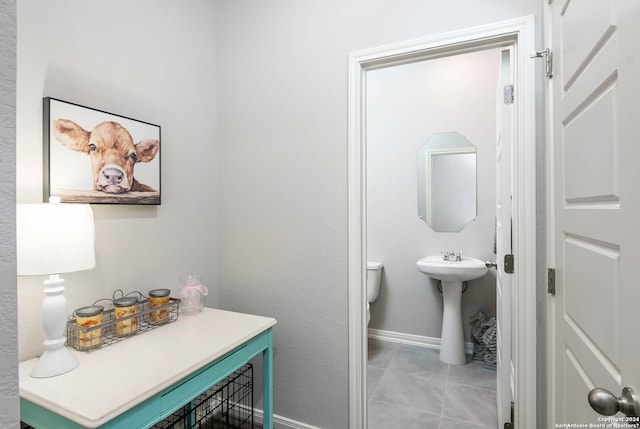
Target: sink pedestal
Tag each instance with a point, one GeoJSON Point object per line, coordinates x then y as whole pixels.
{"type": "Point", "coordinates": [452, 273]}
{"type": "Point", "coordinates": [452, 338]}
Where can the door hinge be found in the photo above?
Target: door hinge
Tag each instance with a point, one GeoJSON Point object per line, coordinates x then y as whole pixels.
{"type": "Point", "coordinates": [509, 425]}
{"type": "Point", "coordinates": [548, 60]}
{"type": "Point", "coordinates": [551, 281]}
{"type": "Point", "coordinates": [508, 94]}
{"type": "Point", "coordinates": [508, 264]}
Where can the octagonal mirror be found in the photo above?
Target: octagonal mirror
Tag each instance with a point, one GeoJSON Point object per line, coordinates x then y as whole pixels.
{"type": "Point", "coordinates": [447, 182]}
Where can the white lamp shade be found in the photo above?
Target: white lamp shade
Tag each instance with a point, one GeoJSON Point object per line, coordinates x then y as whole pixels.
{"type": "Point", "coordinates": [54, 238]}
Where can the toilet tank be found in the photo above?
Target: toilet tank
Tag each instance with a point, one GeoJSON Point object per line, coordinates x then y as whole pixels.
{"type": "Point", "coordinates": [374, 275]}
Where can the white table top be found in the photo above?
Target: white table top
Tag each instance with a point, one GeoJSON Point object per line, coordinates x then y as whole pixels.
{"type": "Point", "coordinates": [114, 379]}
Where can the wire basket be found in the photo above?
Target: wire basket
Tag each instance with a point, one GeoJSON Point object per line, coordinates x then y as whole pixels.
{"type": "Point", "coordinates": [112, 329]}
{"type": "Point", "coordinates": [227, 405]}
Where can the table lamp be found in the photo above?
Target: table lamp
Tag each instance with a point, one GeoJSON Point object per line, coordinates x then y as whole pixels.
{"type": "Point", "coordinates": [53, 239]}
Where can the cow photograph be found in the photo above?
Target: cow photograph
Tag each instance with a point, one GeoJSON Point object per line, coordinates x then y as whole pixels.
{"type": "Point", "coordinates": [91, 156]}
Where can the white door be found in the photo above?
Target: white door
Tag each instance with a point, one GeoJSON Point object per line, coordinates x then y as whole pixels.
{"type": "Point", "coordinates": [504, 281]}
{"type": "Point", "coordinates": [595, 207]}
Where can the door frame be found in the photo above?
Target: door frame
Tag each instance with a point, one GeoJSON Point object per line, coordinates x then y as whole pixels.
{"type": "Point", "coordinates": [520, 33]}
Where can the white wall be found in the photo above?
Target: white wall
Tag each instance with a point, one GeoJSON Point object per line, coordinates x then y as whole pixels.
{"type": "Point", "coordinates": [406, 105]}
{"type": "Point", "coordinates": [9, 404]}
{"type": "Point", "coordinates": [149, 60]}
{"type": "Point", "coordinates": [283, 199]}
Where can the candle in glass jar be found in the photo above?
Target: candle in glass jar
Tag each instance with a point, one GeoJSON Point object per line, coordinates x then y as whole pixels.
{"type": "Point", "coordinates": [88, 317]}
{"type": "Point", "coordinates": [124, 307]}
{"type": "Point", "coordinates": [158, 298]}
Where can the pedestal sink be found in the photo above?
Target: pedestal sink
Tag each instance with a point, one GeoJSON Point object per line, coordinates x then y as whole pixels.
{"type": "Point", "coordinates": [452, 273]}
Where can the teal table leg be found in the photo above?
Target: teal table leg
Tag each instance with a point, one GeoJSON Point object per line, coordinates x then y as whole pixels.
{"type": "Point", "coordinates": [267, 383]}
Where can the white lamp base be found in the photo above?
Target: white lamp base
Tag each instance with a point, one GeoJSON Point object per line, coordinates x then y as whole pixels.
{"type": "Point", "coordinates": [56, 359]}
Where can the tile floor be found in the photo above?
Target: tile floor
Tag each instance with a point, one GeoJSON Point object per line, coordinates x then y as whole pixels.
{"type": "Point", "coordinates": [410, 388]}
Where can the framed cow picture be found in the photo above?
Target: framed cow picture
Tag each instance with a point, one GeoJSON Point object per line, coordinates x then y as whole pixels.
{"type": "Point", "coordinates": [92, 156]}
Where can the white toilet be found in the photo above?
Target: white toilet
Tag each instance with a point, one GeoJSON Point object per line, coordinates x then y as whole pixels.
{"type": "Point", "coordinates": [374, 274]}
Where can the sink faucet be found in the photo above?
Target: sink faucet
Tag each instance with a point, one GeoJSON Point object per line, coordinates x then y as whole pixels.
{"type": "Point", "coordinates": [452, 256]}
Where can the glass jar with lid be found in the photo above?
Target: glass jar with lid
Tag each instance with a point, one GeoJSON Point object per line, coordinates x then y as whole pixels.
{"type": "Point", "coordinates": [125, 308]}
{"type": "Point", "coordinates": [159, 298]}
{"type": "Point", "coordinates": [89, 317]}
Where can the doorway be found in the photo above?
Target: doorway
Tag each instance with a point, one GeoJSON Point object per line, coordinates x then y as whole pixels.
{"type": "Point", "coordinates": [514, 33]}
{"type": "Point", "coordinates": [431, 187]}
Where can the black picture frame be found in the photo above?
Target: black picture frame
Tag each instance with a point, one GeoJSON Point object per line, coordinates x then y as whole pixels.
{"type": "Point", "coordinates": [89, 156]}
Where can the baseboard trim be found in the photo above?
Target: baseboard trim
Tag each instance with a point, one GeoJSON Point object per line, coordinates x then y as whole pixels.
{"type": "Point", "coordinates": [412, 340]}
{"type": "Point", "coordinates": [280, 422]}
